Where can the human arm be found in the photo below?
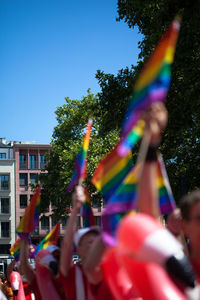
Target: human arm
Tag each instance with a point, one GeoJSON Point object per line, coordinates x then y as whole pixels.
{"type": "Point", "coordinates": [91, 265]}
{"type": "Point", "coordinates": [10, 268]}
{"type": "Point", "coordinates": [78, 199]}
{"type": "Point", "coordinates": [25, 267]}
{"type": "Point", "coordinates": [156, 120]}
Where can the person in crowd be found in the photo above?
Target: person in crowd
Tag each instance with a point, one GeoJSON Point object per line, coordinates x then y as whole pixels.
{"type": "Point", "coordinates": [85, 280]}
{"type": "Point", "coordinates": [190, 212]}
{"type": "Point", "coordinates": [6, 288]}
{"type": "Point", "coordinates": [189, 220]}
{"type": "Point", "coordinates": [2, 296]}
{"type": "Point", "coordinates": [174, 225]}
{"type": "Point", "coordinates": [156, 120]}
{"type": "Point", "coordinates": [29, 272]}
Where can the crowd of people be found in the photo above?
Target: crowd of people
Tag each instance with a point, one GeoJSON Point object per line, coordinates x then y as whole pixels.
{"type": "Point", "coordinates": [56, 276]}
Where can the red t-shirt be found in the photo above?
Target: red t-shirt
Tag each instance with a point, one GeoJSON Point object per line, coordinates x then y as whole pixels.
{"type": "Point", "coordinates": [99, 291]}
{"type": "Point", "coordinates": [35, 288]}
{"type": "Point", "coordinates": [69, 283]}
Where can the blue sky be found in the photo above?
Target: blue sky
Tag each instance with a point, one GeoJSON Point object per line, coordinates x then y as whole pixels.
{"type": "Point", "coordinates": [50, 50]}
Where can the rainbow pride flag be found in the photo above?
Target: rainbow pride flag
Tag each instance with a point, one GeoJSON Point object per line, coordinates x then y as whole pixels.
{"type": "Point", "coordinates": [124, 200]}
{"type": "Point", "coordinates": [86, 212]}
{"type": "Point", "coordinates": [15, 249]}
{"type": "Point", "coordinates": [152, 85]}
{"type": "Point", "coordinates": [31, 216]}
{"type": "Point", "coordinates": [80, 163]}
{"type": "Point", "coordinates": [50, 239]}
{"type": "Point", "coordinates": [111, 172]}
{"type": "Point", "coordinates": [166, 199]}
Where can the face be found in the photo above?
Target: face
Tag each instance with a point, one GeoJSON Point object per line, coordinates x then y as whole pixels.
{"type": "Point", "coordinates": [85, 244]}
{"type": "Point", "coordinates": [174, 222]}
{"type": "Point", "coordinates": [191, 227]}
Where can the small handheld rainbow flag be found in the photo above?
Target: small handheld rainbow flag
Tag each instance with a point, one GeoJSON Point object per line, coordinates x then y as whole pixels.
{"type": "Point", "coordinates": [50, 239]}
{"type": "Point", "coordinates": [86, 212]}
{"type": "Point", "coordinates": [31, 216]}
{"type": "Point", "coordinates": [15, 249]}
{"type": "Point", "coordinates": [111, 171]}
{"type": "Point", "coordinates": [152, 85]}
{"type": "Point", "coordinates": [80, 163]}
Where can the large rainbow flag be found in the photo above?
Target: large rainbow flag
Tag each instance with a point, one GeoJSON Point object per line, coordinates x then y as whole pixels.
{"type": "Point", "coordinates": [124, 200]}
{"type": "Point", "coordinates": [86, 211]}
{"type": "Point", "coordinates": [80, 163]}
{"type": "Point", "coordinates": [152, 84]}
{"type": "Point", "coordinates": [31, 216]}
{"type": "Point", "coordinates": [50, 239]}
{"type": "Point", "coordinates": [111, 171]}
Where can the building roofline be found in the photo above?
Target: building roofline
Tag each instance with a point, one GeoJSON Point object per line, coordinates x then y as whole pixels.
{"type": "Point", "coordinates": [31, 145]}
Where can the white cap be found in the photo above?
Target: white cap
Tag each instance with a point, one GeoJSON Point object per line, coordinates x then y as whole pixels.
{"type": "Point", "coordinates": [52, 248]}
{"type": "Point", "coordinates": [81, 232]}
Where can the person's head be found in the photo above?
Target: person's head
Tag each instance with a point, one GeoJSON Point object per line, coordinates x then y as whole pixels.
{"type": "Point", "coordinates": [174, 222]}
{"type": "Point", "coordinates": [55, 251]}
{"type": "Point", "coordinates": [190, 211]}
{"type": "Point", "coordinates": [84, 238]}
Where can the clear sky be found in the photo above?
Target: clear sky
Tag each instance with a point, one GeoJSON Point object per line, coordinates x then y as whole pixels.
{"type": "Point", "coordinates": [51, 49]}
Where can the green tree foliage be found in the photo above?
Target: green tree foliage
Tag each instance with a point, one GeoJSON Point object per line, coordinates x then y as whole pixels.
{"type": "Point", "coordinates": [72, 118]}
{"type": "Point", "coordinates": [180, 145]}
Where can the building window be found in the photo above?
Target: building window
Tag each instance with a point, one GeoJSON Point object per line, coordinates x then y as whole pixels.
{"type": "Point", "coordinates": [45, 223]}
{"type": "Point", "coordinates": [42, 161]}
{"type": "Point", "coordinates": [97, 220]}
{"type": "Point", "coordinates": [32, 162]}
{"type": "Point", "coordinates": [23, 201]}
{"type": "Point", "coordinates": [4, 249]}
{"type": "Point", "coordinates": [5, 209]}
{"type": "Point", "coordinates": [2, 155]}
{"type": "Point", "coordinates": [33, 178]}
{"type": "Point", "coordinates": [4, 182]}
{"type": "Point", "coordinates": [46, 209]}
{"type": "Point", "coordinates": [5, 229]}
{"type": "Point", "coordinates": [23, 179]}
{"type": "Point", "coordinates": [22, 161]}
